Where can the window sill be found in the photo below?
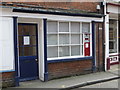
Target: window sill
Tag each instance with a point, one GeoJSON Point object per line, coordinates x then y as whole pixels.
{"type": "Point", "coordinates": [63, 59]}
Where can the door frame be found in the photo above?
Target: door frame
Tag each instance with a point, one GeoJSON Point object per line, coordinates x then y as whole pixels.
{"type": "Point", "coordinates": [37, 54]}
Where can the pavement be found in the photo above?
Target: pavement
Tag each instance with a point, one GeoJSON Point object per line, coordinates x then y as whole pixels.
{"type": "Point", "coordinates": [110, 84]}
{"type": "Point", "coordinates": [75, 81]}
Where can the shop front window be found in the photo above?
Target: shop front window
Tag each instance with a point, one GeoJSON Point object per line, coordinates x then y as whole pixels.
{"type": "Point", "coordinates": [65, 39]}
{"type": "Point", "coordinates": [112, 36]}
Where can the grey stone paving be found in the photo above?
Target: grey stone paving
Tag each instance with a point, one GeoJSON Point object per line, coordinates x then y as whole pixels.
{"type": "Point", "coordinates": [71, 81]}
{"type": "Point", "coordinates": [109, 84]}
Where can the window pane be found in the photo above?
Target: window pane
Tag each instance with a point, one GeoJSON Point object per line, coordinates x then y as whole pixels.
{"type": "Point", "coordinates": [75, 50]}
{"type": "Point", "coordinates": [75, 27]}
{"type": "Point", "coordinates": [32, 29]}
{"type": "Point", "coordinates": [113, 36]}
{"type": "Point", "coordinates": [64, 39]}
{"type": "Point", "coordinates": [86, 27]}
{"type": "Point", "coordinates": [20, 40]}
{"type": "Point", "coordinates": [20, 29]}
{"type": "Point", "coordinates": [29, 51]}
{"type": "Point", "coordinates": [26, 30]}
{"type": "Point", "coordinates": [111, 45]}
{"type": "Point", "coordinates": [63, 51]}
{"type": "Point", "coordinates": [52, 26]}
{"type": "Point", "coordinates": [52, 40]}
{"type": "Point", "coordinates": [75, 39]}
{"type": "Point", "coordinates": [63, 27]}
{"type": "Point", "coordinates": [33, 40]}
{"type": "Point", "coordinates": [32, 51]}
{"type": "Point", "coordinates": [52, 52]}
{"type": "Point", "coordinates": [26, 51]}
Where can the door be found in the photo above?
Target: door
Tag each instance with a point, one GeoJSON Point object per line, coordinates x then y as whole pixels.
{"type": "Point", "coordinates": [100, 53]}
{"type": "Point", "coordinates": [28, 54]}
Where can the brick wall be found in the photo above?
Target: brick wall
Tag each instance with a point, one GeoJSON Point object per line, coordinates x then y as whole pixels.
{"type": "Point", "coordinates": [63, 69]}
{"type": "Point", "coordinates": [8, 79]}
{"type": "Point", "coordinates": [87, 6]}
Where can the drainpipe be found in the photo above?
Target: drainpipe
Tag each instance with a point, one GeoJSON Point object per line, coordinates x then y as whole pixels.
{"type": "Point", "coordinates": [15, 27]}
{"type": "Point", "coordinates": [45, 51]}
{"type": "Point", "coordinates": [93, 47]}
{"type": "Point", "coordinates": [103, 35]}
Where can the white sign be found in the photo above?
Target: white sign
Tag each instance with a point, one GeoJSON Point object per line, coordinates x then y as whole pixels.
{"type": "Point", "coordinates": [26, 40]}
{"type": "Point", "coordinates": [87, 45]}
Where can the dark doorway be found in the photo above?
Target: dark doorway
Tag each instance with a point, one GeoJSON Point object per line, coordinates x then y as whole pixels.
{"type": "Point", "coordinates": [28, 51]}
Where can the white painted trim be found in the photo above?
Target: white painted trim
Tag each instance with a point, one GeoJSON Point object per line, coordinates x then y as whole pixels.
{"type": "Point", "coordinates": [113, 54]}
{"type": "Point", "coordinates": [49, 59]}
{"type": "Point", "coordinates": [91, 39]}
{"type": "Point", "coordinates": [41, 50]}
{"type": "Point", "coordinates": [106, 39]}
{"type": "Point", "coordinates": [117, 36]}
{"type": "Point", "coordinates": [69, 45]}
{"type": "Point", "coordinates": [117, 42]}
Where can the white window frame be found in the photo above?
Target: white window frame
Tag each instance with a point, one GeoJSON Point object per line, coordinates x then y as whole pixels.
{"type": "Point", "coordinates": [110, 53]}
{"type": "Point", "coordinates": [69, 33]}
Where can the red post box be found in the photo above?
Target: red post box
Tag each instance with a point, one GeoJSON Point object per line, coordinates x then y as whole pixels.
{"type": "Point", "coordinates": [87, 45]}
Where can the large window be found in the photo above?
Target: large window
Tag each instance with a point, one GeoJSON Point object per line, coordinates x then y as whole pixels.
{"type": "Point", "coordinates": [65, 39]}
{"type": "Point", "coordinates": [113, 36]}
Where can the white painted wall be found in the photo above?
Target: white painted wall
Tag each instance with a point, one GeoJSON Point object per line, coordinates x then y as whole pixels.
{"type": "Point", "coordinates": [113, 9]}
{"type": "Point", "coordinates": [6, 44]}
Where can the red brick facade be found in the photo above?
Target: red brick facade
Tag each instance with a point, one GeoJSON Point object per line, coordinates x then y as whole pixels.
{"type": "Point", "coordinates": [8, 79]}
{"type": "Point", "coordinates": [84, 6]}
{"type": "Point", "coordinates": [62, 69]}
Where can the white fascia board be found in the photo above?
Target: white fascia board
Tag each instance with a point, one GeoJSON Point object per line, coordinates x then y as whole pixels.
{"type": "Point", "coordinates": [7, 12]}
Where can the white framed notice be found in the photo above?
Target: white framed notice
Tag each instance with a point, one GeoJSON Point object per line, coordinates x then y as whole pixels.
{"type": "Point", "coordinates": [26, 40]}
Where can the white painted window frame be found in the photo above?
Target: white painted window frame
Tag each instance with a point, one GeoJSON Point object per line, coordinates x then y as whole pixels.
{"type": "Point", "coordinates": [69, 33]}
{"type": "Point", "coordinates": [117, 39]}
